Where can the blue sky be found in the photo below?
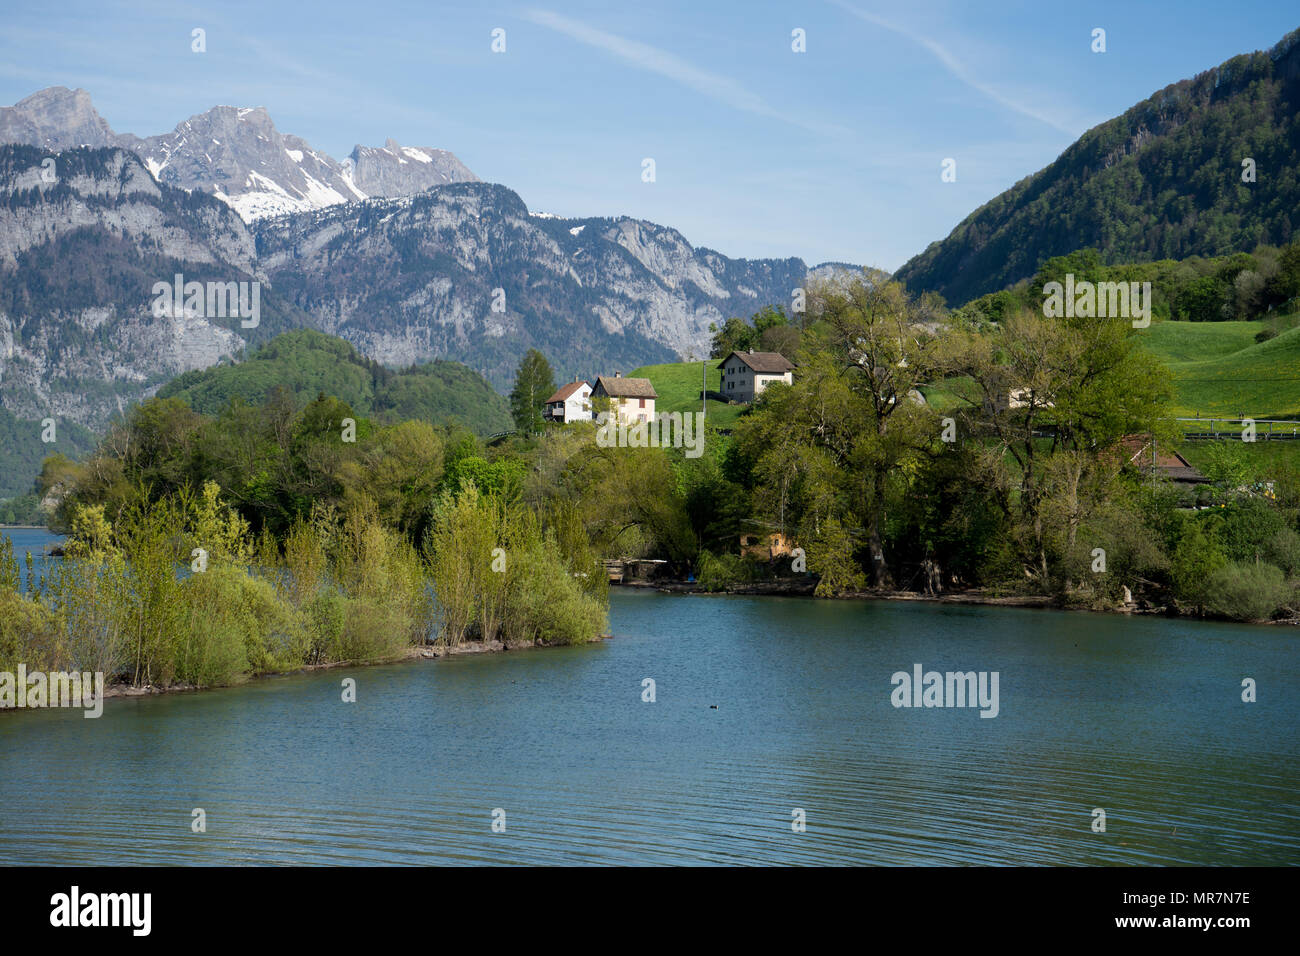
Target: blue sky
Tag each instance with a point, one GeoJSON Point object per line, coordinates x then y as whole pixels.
{"type": "Point", "coordinates": [830, 154]}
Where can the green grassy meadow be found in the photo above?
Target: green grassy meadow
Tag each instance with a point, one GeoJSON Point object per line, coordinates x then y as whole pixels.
{"type": "Point", "coordinates": [678, 386]}
{"type": "Point", "coordinates": [1219, 368]}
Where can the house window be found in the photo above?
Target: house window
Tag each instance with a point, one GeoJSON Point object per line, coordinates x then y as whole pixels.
{"type": "Point", "coordinates": [642, 405]}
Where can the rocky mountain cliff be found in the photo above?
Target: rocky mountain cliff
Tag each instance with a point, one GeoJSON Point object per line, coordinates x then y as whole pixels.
{"type": "Point", "coordinates": [396, 170]}
{"type": "Point", "coordinates": [237, 155]}
{"type": "Point", "coordinates": [58, 118]}
{"type": "Point", "coordinates": [466, 272]}
{"type": "Point", "coordinates": [461, 271]}
{"type": "Point", "coordinates": [79, 257]}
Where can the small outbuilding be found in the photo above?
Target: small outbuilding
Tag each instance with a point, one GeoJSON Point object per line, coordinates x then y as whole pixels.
{"type": "Point", "coordinates": [1167, 463]}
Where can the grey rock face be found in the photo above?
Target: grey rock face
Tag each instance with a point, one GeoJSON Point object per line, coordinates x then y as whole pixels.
{"type": "Point", "coordinates": [410, 279]}
{"type": "Point", "coordinates": [57, 118]}
{"type": "Point", "coordinates": [115, 193]}
{"type": "Point", "coordinates": [396, 170]}
{"type": "Point", "coordinates": [237, 155]}
{"type": "Point", "coordinates": [78, 260]}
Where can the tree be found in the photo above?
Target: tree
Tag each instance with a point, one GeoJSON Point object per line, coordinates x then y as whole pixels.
{"type": "Point", "coordinates": [833, 449]}
{"type": "Point", "coordinates": [534, 384]}
{"type": "Point", "coordinates": [768, 329]}
{"type": "Point", "coordinates": [736, 335]}
{"type": "Point", "coordinates": [1059, 396]}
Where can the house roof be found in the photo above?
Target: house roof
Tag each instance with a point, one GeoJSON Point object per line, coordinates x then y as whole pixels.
{"type": "Point", "coordinates": [564, 391]}
{"type": "Point", "coordinates": [766, 363]}
{"type": "Point", "coordinates": [618, 387]}
{"type": "Point", "coordinates": [1138, 447]}
{"type": "Point", "coordinates": [1137, 450]}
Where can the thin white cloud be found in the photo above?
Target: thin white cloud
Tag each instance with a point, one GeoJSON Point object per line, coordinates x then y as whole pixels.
{"type": "Point", "coordinates": [723, 89]}
{"type": "Point", "coordinates": [955, 67]}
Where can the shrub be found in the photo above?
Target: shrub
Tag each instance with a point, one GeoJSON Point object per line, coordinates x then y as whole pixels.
{"type": "Point", "coordinates": [1246, 592]}
{"type": "Point", "coordinates": [1283, 549]}
{"type": "Point", "coordinates": [28, 635]}
{"type": "Point", "coordinates": [323, 618]}
{"type": "Point", "coordinates": [545, 603]}
{"type": "Point", "coordinates": [720, 572]}
{"type": "Point", "coordinates": [237, 624]}
{"type": "Point", "coordinates": [1249, 525]}
{"type": "Point", "coordinates": [377, 569]}
{"type": "Point", "coordinates": [371, 631]}
{"type": "Point", "coordinates": [92, 600]}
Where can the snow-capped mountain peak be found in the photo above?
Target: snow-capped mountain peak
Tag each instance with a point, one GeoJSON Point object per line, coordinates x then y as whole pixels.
{"type": "Point", "coordinates": [238, 155]}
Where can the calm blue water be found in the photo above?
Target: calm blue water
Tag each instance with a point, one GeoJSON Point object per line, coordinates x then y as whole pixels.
{"type": "Point", "coordinates": [36, 541]}
{"type": "Point", "coordinates": [1141, 717]}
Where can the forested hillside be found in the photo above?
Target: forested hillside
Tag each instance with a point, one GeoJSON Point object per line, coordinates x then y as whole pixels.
{"type": "Point", "coordinates": [1164, 180]}
{"type": "Point", "coordinates": [24, 451]}
{"type": "Point", "coordinates": [307, 363]}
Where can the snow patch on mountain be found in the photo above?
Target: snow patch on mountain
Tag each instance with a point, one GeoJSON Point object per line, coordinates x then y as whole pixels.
{"type": "Point", "coordinates": [238, 155]}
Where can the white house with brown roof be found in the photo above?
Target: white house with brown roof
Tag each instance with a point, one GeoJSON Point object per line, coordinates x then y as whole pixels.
{"type": "Point", "coordinates": [746, 374]}
{"type": "Point", "coordinates": [631, 400]}
{"type": "Point", "coordinates": [570, 403]}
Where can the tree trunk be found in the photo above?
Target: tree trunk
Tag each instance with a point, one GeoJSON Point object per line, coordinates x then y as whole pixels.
{"type": "Point", "coordinates": [880, 576]}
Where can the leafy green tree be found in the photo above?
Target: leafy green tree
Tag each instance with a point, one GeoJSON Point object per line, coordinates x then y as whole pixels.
{"type": "Point", "coordinates": [534, 384]}
{"type": "Point", "coordinates": [1229, 465]}
{"type": "Point", "coordinates": [844, 440]}
{"type": "Point", "coordinates": [1059, 395]}
{"type": "Point", "coordinates": [768, 330]}
{"type": "Point", "coordinates": [1196, 557]}
{"type": "Point", "coordinates": [1285, 283]}
{"type": "Point", "coordinates": [736, 335]}
{"type": "Point", "coordinates": [1203, 300]}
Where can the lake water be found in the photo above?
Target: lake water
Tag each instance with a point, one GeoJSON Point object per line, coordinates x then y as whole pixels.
{"type": "Point", "coordinates": [36, 541]}
{"type": "Point", "coordinates": [1140, 717]}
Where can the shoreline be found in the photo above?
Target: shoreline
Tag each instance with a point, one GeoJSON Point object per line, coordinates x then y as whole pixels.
{"type": "Point", "coordinates": [426, 652]}
{"type": "Point", "coordinates": [973, 597]}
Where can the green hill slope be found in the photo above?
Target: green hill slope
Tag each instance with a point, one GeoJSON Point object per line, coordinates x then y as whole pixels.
{"type": "Point", "coordinates": [1219, 368]}
{"type": "Point", "coordinates": [308, 362]}
{"type": "Point", "coordinates": [1164, 180]}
